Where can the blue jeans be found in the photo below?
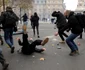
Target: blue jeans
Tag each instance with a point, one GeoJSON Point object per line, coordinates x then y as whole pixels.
{"type": "Point", "coordinates": [71, 43]}
{"type": "Point", "coordinates": [8, 36]}
{"type": "Point", "coordinates": [26, 22]}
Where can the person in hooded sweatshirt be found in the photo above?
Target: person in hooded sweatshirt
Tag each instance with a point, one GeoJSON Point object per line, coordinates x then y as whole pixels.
{"type": "Point", "coordinates": [60, 22]}
{"type": "Point", "coordinates": [76, 30]}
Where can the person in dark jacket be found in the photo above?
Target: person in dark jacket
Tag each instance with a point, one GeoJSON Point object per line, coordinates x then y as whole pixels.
{"type": "Point", "coordinates": [25, 18]}
{"type": "Point", "coordinates": [82, 20]}
{"type": "Point", "coordinates": [60, 22]}
{"type": "Point", "coordinates": [31, 19]}
{"type": "Point", "coordinates": [8, 25]}
{"type": "Point", "coordinates": [36, 24]}
{"type": "Point", "coordinates": [76, 30]}
{"type": "Point", "coordinates": [30, 47]}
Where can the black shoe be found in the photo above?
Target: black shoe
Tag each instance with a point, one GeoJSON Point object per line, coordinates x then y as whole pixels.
{"type": "Point", "coordinates": [72, 53]}
{"type": "Point", "coordinates": [77, 52]}
{"type": "Point", "coordinates": [79, 38]}
{"type": "Point", "coordinates": [2, 42]}
{"type": "Point", "coordinates": [38, 36]}
{"type": "Point", "coordinates": [5, 66]}
{"type": "Point", "coordinates": [12, 49]}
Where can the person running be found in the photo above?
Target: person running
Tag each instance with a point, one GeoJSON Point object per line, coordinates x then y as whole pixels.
{"type": "Point", "coordinates": [60, 22]}
{"type": "Point", "coordinates": [27, 47]}
{"type": "Point", "coordinates": [8, 20]}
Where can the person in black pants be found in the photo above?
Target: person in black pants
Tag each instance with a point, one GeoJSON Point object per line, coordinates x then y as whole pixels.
{"type": "Point", "coordinates": [27, 47]}
{"type": "Point", "coordinates": [35, 20]}
{"type": "Point", "coordinates": [82, 21]}
{"type": "Point", "coordinates": [76, 30]}
{"type": "Point", "coordinates": [60, 23]}
{"type": "Point", "coordinates": [31, 19]}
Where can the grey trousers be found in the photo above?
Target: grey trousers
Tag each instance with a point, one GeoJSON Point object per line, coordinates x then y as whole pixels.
{"type": "Point", "coordinates": [2, 60]}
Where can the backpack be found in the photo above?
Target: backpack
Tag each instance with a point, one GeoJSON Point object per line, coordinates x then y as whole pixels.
{"type": "Point", "coordinates": [81, 19]}
{"type": "Point", "coordinates": [10, 19]}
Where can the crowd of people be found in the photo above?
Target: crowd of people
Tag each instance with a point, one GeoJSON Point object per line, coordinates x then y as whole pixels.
{"type": "Point", "coordinates": [69, 21]}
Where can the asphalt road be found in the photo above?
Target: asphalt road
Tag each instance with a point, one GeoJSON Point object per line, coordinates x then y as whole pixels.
{"type": "Point", "coordinates": [55, 59]}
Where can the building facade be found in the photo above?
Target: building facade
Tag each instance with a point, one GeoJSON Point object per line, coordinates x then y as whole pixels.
{"type": "Point", "coordinates": [81, 5]}
{"type": "Point", "coordinates": [44, 8]}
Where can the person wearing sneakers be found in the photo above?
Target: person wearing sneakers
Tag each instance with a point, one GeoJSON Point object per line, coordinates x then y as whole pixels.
{"type": "Point", "coordinates": [3, 61]}
{"type": "Point", "coordinates": [76, 30]}
{"type": "Point", "coordinates": [27, 47]}
{"type": "Point", "coordinates": [60, 22]}
{"type": "Point", "coordinates": [8, 20]}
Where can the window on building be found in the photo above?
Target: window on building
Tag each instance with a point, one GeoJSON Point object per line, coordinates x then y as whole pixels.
{"type": "Point", "coordinates": [41, 2]}
{"type": "Point", "coordinates": [37, 2]}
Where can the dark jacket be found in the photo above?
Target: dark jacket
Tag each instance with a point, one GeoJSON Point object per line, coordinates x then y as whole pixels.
{"type": "Point", "coordinates": [73, 24]}
{"type": "Point", "coordinates": [26, 46]}
{"type": "Point", "coordinates": [25, 17]}
{"type": "Point", "coordinates": [4, 20]}
{"type": "Point", "coordinates": [81, 19]}
{"type": "Point", "coordinates": [31, 19]}
{"type": "Point", "coordinates": [35, 20]}
{"type": "Point", "coordinates": [61, 20]}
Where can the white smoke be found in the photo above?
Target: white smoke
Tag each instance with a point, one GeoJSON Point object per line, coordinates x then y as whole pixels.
{"type": "Point", "coordinates": [70, 4]}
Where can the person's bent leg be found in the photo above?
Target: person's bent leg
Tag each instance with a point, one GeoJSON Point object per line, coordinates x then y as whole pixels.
{"type": "Point", "coordinates": [62, 38]}
{"type": "Point", "coordinates": [1, 40]}
{"type": "Point", "coordinates": [11, 40]}
{"type": "Point", "coordinates": [65, 34]}
{"type": "Point", "coordinates": [39, 42]}
{"type": "Point", "coordinates": [70, 42]}
{"type": "Point", "coordinates": [39, 50]}
{"type": "Point", "coordinates": [81, 36]}
{"type": "Point", "coordinates": [3, 61]}
{"type": "Point", "coordinates": [8, 40]}
{"type": "Point", "coordinates": [11, 37]}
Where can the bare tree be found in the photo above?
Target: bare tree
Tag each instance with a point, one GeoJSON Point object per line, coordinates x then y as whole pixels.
{"type": "Point", "coordinates": [25, 4]}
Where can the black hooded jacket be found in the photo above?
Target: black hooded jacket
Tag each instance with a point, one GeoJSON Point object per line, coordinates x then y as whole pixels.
{"type": "Point", "coordinates": [5, 20]}
{"type": "Point", "coordinates": [73, 24]}
{"type": "Point", "coordinates": [35, 19]}
{"type": "Point", "coordinates": [61, 20]}
{"type": "Point", "coordinates": [27, 48]}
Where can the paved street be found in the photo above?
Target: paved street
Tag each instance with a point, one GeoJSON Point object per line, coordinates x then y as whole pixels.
{"type": "Point", "coordinates": [55, 59]}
